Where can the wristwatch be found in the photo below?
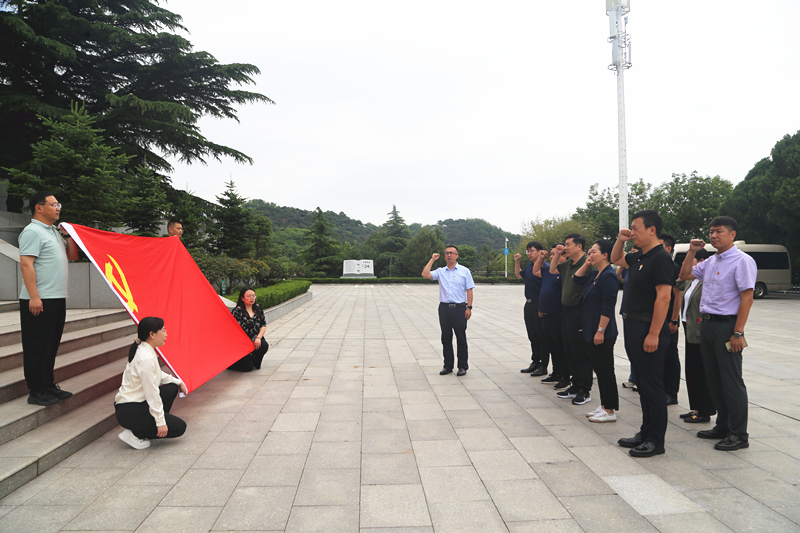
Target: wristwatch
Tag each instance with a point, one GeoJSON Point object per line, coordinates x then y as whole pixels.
{"type": "Point", "coordinates": [469, 307]}
{"type": "Point", "coordinates": [676, 322]}
{"type": "Point", "coordinates": [738, 334]}
{"type": "Point", "coordinates": [601, 330]}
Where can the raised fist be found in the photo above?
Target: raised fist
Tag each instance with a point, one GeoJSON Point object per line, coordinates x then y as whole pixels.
{"type": "Point", "coordinates": [435, 257]}
{"type": "Point", "coordinates": [696, 245]}
{"type": "Point", "coordinates": [516, 257]}
{"type": "Point", "coordinates": [625, 234]}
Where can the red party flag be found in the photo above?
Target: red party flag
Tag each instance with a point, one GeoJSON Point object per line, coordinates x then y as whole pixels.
{"type": "Point", "coordinates": [157, 277]}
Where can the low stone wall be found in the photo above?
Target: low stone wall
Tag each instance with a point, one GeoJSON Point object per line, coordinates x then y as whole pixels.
{"type": "Point", "coordinates": [274, 313]}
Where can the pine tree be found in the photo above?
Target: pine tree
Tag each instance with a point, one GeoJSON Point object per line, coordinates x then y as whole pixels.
{"type": "Point", "coordinates": [145, 203]}
{"type": "Point", "coordinates": [185, 209]}
{"type": "Point", "coordinates": [232, 231]}
{"type": "Point", "coordinates": [322, 255]}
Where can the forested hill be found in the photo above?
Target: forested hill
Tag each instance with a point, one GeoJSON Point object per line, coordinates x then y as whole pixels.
{"type": "Point", "coordinates": [475, 232]}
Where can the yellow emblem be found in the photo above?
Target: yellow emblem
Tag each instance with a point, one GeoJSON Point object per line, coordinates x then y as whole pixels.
{"type": "Point", "coordinates": [124, 292]}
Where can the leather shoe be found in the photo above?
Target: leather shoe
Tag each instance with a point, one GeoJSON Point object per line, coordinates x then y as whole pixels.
{"type": "Point", "coordinates": [647, 449]}
{"type": "Point", "coordinates": [696, 419]}
{"type": "Point", "coordinates": [716, 433]}
{"type": "Point", "coordinates": [731, 442]}
{"type": "Point", "coordinates": [539, 371]}
{"type": "Point", "coordinates": [529, 369]}
{"type": "Point", "coordinates": [632, 442]}
{"type": "Point", "coordinates": [687, 415]}
{"type": "Point", "coordinates": [461, 372]}
{"type": "Point", "coordinates": [672, 400]}
{"type": "Point", "coordinates": [444, 371]}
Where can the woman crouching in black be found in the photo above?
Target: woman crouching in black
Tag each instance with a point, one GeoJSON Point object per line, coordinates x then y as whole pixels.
{"type": "Point", "coordinates": [251, 318]}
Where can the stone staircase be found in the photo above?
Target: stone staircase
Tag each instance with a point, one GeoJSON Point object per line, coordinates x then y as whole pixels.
{"type": "Point", "coordinates": [90, 362]}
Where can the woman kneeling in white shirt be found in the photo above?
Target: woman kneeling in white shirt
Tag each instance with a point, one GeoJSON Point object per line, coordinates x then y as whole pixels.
{"type": "Point", "coordinates": [145, 398]}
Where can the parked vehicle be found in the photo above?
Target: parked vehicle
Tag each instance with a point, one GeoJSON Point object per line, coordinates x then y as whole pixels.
{"type": "Point", "coordinates": [772, 260]}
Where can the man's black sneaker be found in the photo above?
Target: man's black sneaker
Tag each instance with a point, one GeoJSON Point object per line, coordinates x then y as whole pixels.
{"type": "Point", "coordinates": [56, 391]}
{"type": "Point", "coordinates": [563, 384]}
{"type": "Point", "coordinates": [551, 379]}
{"type": "Point", "coordinates": [43, 398]}
{"type": "Point", "coordinates": [582, 398]}
{"type": "Point", "coordinates": [568, 394]}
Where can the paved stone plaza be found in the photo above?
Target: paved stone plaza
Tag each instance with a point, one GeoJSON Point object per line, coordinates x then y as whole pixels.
{"type": "Point", "coordinates": [349, 427]}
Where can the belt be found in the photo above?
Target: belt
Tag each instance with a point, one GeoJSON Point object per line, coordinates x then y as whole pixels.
{"type": "Point", "coordinates": [641, 317]}
{"type": "Point", "coordinates": [452, 305]}
{"type": "Point", "coordinates": [719, 318]}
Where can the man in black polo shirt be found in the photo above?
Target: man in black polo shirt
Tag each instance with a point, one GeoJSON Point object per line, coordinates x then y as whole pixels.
{"type": "Point", "coordinates": [540, 358]}
{"type": "Point", "coordinates": [651, 276]}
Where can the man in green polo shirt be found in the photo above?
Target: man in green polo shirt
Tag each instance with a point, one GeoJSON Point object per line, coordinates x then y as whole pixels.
{"type": "Point", "coordinates": [43, 260]}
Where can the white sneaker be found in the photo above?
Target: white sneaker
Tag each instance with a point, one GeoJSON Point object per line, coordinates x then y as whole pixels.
{"type": "Point", "coordinates": [597, 411]}
{"type": "Point", "coordinates": [604, 417]}
{"type": "Point", "coordinates": [133, 441]}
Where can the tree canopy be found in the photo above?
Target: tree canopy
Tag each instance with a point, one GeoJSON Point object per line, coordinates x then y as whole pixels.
{"type": "Point", "coordinates": [322, 254]}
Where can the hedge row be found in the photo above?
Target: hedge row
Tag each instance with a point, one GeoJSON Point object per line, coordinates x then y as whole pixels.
{"type": "Point", "coordinates": [362, 281]}
{"type": "Point", "coordinates": [273, 295]}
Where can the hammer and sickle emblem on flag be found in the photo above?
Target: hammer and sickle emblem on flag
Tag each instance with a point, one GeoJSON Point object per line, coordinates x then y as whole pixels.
{"type": "Point", "coordinates": [124, 290]}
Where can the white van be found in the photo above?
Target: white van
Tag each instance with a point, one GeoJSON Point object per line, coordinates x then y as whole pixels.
{"type": "Point", "coordinates": [772, 260]}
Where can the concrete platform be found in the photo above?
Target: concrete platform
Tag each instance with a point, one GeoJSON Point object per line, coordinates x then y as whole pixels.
{"type": "Point", "coordinates": [349, 427]}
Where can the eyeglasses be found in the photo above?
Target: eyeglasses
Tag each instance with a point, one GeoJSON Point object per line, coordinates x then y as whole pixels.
{"type": "Point", "coordinates": [451, 253]}
{"type": "Point", "coordinates": [56, 205]}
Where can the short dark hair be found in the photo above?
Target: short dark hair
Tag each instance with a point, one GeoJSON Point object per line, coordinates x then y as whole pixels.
{"type": "Point", "coordinates": [39, 198]}
{"type": "Point", "coordinates": [651, 218]}
{"type": "Point", "coordinates": [668, 239]}
{"type": "Point", "coordinates": [171, 223]}
{"type": "Point", "coordinates": [605, 246]}
{"type": "Point", "coordinates": [534, 244]}
{"type": "Point", "coordinates": [702, 254]}
{"type": "Point", "coordinates": [451, 246]}
{"type": "Point", "coordinates": [558, 244]}
{"type": "Point", "coordinates": [728, 222]}
{"type": "Point", "coordinates": [577, 238]}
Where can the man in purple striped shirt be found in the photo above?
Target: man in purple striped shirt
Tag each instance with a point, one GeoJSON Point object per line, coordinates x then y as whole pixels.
{"type": "Point", "coordinates": [728, 281]}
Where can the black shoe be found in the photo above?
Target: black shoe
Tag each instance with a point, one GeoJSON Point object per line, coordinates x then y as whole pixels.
{"type": "Point", "coordinates": [529, 369]}
{"type": "Point", "coordinates": [551, 379]}
{"type": "Point", "coordinates": [43, 398]}
{"type": "Point", "coordinates": [731, 442]}
{"type": "Point", "coordinates": [647, 449]}
{"type": "Point", "coordinates": [444, 371]}
{"type": "Point", "coordinates": [716, 433]}
{"type": "Point", "coordinates": [631, 442]}
{"type": "Point", "coordinates": [696, 419]}
{"type": "Point", "coordinates": [563, 384]}
{"type": "Point", "coordinates": [581, 398]}
{"type": "Point", "coordinates": [672, 400]}
{"type": "Point", "coordinates": [540, 370]}
{"type": "Point", "coordinates": [56, 391]}
{"type": "Point", "coordinates": [687, 415]}
{"type": "Point", "coordinates": [461, 372]}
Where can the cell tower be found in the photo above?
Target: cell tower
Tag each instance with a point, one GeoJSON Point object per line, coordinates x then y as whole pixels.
{"type": "Point", "coordinates": [617, 11]}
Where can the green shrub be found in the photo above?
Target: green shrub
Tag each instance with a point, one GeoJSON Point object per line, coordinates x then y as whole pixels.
{"type": "Point", "coordinates": [271, 296]}
{"type": "Point", "coordinates": [407, 281]}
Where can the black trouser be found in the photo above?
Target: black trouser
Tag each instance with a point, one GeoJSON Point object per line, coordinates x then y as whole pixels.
{"type": "Point", "coordinates": [251, 361]}
{"type": "Point", "coordinates": [724, 376]}
{"type": "Point", "coordinates": [554, 342]}
{"type": "Point", "coordinates": [696, 384]}
{"type": "Point", "coordinates": [136, 416]}
{"type": "Point", "coordinates": [578, 359]}
{"type": "Point", "coordinates": [649, 371]}
{"type": "Point", "coordinates": [672, 367]}
{"type": "Point", "coordinates": [454, 320]}
{"type": "Point", "coordinates": [41, 336]}
{"type": "Point", "coordinates": [603, 363]}
{"type": "Point", "coordinates": [535, 327]}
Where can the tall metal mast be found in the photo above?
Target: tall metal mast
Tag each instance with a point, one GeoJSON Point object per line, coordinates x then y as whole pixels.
{"type": "Point", "coordinates": [617, 11]}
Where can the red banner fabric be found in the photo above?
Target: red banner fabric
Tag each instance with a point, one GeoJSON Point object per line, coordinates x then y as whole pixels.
{"type": "Point", "coordinates": [157, 277]}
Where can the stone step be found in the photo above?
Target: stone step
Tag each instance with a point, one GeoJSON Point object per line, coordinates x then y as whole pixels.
{"type": "Point", "coordinates": [68, 365]}
{"type": "Point", "coordinates": [35, 452]}
{"type": "Point", "coordinates": [18, 417]}
{"type": "Point", "coordinates": [77, 319]}
{"type": "Point", "coordinates": [8, 306]}
{"type": "Point", "coordinates": [11, 356]}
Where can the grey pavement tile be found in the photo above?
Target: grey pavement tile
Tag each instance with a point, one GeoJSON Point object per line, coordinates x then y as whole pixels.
{"type": "Point", "coordinates": [203, 488]}
{"type": "Point", "coordinates": [338, 431]}
{"type": "Point", "coordinates": [425, 396]}
{"type": "Point", "coordinates": [334, 455]}
{"type": "Point", "coordinates": [34, 486]}
{"type": "Point", "coordinates": [545, 526]}
{"type": "Point", "coordinates": [440, 453]}
{"type": "Point", "coordinates": [241, 429]}
{"type": "Point", "coordinates": [228, 455]}
{"type": "Point", "coordinates": [648, 494]}
{"type": "Point", "coordinates": [521, 426]}
{"type": "Point", "coordinates": [739, 511]}
{"type": "Point", "coordinates": [525, 500]}
{"type": "Point", "coordinates": [423, 411]}
{"type": "Point", "coordinates": [792, 513]}
{"type": "Point", "coordinates": [384, 421]}
{"type": "Point", "coordinates": [389, 469]}
{"type": "Point", "coordinates": [681, 523]}
{"type": "Point", "coordinates": [393, 506]}
{"type": "Point", "coordinates": [459, 403]}
{"type": "Point", "coordinates": [39, 519]}
{"type": "Point", "coordinates": [608, 460]}
{"type": "Point", "coordinates": [412, 385]}
{"type": "Point", "coordinates": [501, 465]}
{"type": "Point", "coordinates": [286, 442]}
{"type": "Point", "coordinates": [324, 519]}
{"type": "Point", "coordinates": [552, 416]}
{"type": "Point", "coordinates": [542, 449]}
{"type": "Point", "coordinates": [81, 486]}
{"type": "Point", "coordinates": [341, 412]}
{"type": "Point", "coordinates": [430, 430]}
{"type": "Point", "coordinates": [119, 508]}
{"type": "Point", "coordinates": [776, 463]}
{"type": "Point", "coordinates": [381, 391]}
{"type": "Point", "coordinates": [577, 435]}
{"type": "Point", "coordinates": [156, 470]}
{"type": "Point", "coordinates": [256, 508]}
{"type": "Point", "coordinates": [340, 385]}
{"type": "Point", "coordinates": [5, 509]}
{"type": "Point", "coordinates": [303, 405]}
{"type": "Point", "coordinates": [761, 486]}
{"type": "Point", "coordinates": [571, 479]}
{"type": "Point", "coordinates": [338, 486]}
{"type": "Point", "coordinates": [470, 419]}
{"type": "Point", "coordinates": [344, 398]}
{"type": "Point", "coordinates": [274, 471]}
{"type": "Point", "coordinates": [180, 520]}
{"type": "Point", "coordinates": [397, 530]}
{"type": "Point", "coordinates": [82, 455]}
{"type": "Point", "coordinates": [295, 422]}
{"type": "Point", "coordinates": [450, 389]}
{"type": "Point", "coordinates": [466, 517]}
{"type": "Point", "coordinates": [681, 473]}
{"type": "Point", "coordinates": [505, 409]}
{"type": "Point", "coordinates": [117, 455]}
{"type": "Point", "coordinates": [385, 442]}
{"type": "Point", "coordinates": [538, 400]}
{"type": "Point", "coordinates": [308, 392]}
{"type": "Point", "coordinates": [375, 405]}
{"type": "Point", "coordinates": [452, 484]}
{"type": "Point", "coordinates": [702, 453]}
{"type": "Point", "coordinates": [604, 514]}
{"type": "Point", "coordinates": [480, 439]}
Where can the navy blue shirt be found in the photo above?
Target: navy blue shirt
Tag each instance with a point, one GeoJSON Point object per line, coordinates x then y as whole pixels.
{"type": "Point", "coordinates": [533, 284]}
{"type": "Point", "coordinates": [550, 295]}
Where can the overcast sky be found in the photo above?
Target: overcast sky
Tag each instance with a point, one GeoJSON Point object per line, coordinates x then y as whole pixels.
{"type": "Point", "coordinates": [503, 110]}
